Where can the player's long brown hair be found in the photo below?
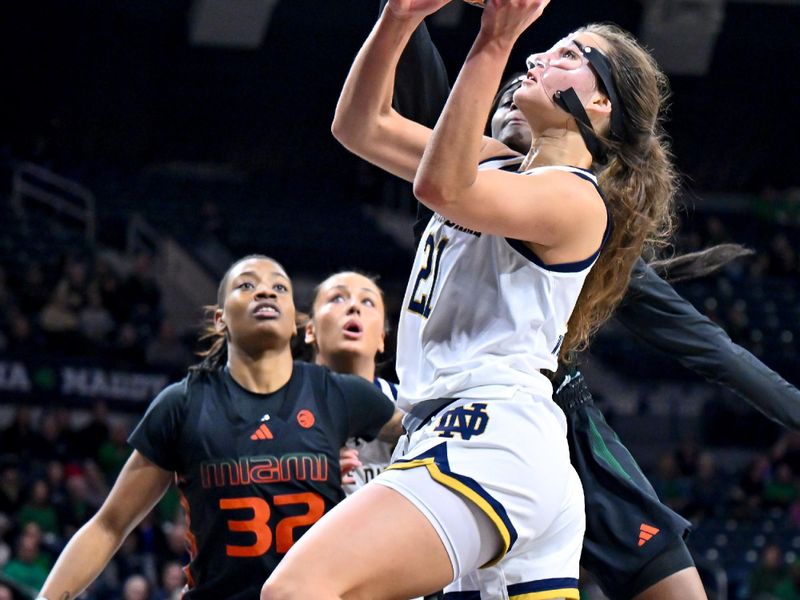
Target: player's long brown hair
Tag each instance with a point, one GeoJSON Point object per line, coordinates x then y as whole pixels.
{"type": "Point", "coordinates": [638, 180]}
{"type": "Point", "coordinates": [216, 355]}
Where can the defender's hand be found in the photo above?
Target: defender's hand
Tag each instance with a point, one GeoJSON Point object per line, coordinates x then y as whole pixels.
{"type": "Point", "coordinates": [407, 9]}
{"type": "Point", "coordinates": [505, 20]}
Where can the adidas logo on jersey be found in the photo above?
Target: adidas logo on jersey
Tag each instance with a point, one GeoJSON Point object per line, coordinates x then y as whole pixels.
{"type": "Point", "coordinates": [646, 533]}
{"type": "Point", "coordinates": [262, 433]}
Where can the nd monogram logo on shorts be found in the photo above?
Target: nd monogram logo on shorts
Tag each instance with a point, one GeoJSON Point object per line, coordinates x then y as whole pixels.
{"type": "Point", "coordinates": [465, 421]}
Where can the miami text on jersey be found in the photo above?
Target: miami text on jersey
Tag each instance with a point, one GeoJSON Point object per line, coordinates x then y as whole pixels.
{"type": "Point", "coordinates": [299, 466]}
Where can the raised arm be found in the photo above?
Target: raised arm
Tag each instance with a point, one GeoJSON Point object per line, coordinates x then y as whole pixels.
{"type": "Point", "coordinates": [421, 88]}
{"type": "Point", "coordinates": [654, 312]}
{"type": "Point", "coordinates": [140, 485]}
{"type": "Point", "coordinates": [421, 85]}
{"type": "Point", "coordinates": [365, 122]}
{"type": "Point", "coordinates": [549, 208]}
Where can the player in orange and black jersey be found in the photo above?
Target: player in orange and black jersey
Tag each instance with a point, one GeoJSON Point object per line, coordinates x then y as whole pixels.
{"type": "Point", "coordinates": [252, 439]}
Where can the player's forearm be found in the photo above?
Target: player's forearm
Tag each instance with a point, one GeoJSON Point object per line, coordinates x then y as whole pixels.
{"type": "Point", "coordinates": [450, 162]}
{"type": "Point", "coordinates": [367, 93]}
{"type": "Point", "coordinates": [758, 385]}
{"type": "Point", "coordinates": [421, 85]}
{"type": "Point", "coordinates": [83, 559]}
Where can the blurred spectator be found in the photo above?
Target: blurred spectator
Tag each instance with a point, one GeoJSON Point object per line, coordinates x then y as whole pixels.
{"type": "Point", "coordinates": [686, 457]}
{"type": "Point", "coordinates": [96, 485]}
{"type": "Point", "coordinates": [140, 290]}
{"type": "Point", "coordinates": [738, 323]}
{"type": "Point", "coordinates": [73, 285]}
{"type": "Point", "coordinates": [56, 481]}
{"type": "Point", "coordinates": [789, 587]}
{"type": "Point", "coordinates": [169, 507]}
{"type": "Point", "coordinates": [109, 287]}
{"type": "Point", "coordinates": [38, 508]}
{"type": "Point", "coordinates": [33, 293]}
{"type": "Point", "coordinates": [55, 443]}
{"type": "Point", "coordinates": [704, 491]}
{"type": "Point", "coordinates": [96, 322]}
{"type": "Point", "coordinates": [95, 433]}
{"type": "Point", "coordinates": [716, 232]}
{"type": "Point", "coordinates": [10, 490]}
{"type": "Point", "coordinates": [768, 575]}
{"type": "Point", "coordinates": [172, 582]}
{"type": "Point", "coordinates": [20, 437]}
{"type": "Point", "coordinates": [177, 534]}
{"type": "Point", "coordinates": [214, 221]}
{"type": "Point", "coordinates": [136, 588]}
{"type": "Point", "coordinates": [59, 321]}
{"type": "Point", "coordinates": [5, 529]}
{"type": "Point", "coordinates": [6, 299]}
{"type": "Point", "coordinates": [128, 345]}
{"type": "Point", "coordinates": [115, 451]}
{"type": "Point", "coordinates": [27, 566]}
{"type": "Point", "coordinates": [129, 561]}
{"type": "Point", "coordinates": [787, 450]}
{"type": "Point", "coordinates": [167, 350]}
{"type": "Point", "coordinates": [782, 257]}
{"type": "Point", "coordinates": [80, 504]}
{"type": "Point", "coordinates": [748, 493]}
{"type": "Point", "coordinates": [781, 489]}
{"type": "Point", "coordinates": [151, 539]}
{"type": "Point", "coordinates": [22, 338]}
{"type": "Point", "coordinates": [672, 488]}
{"type": "Point", "coordinates": [6, 593]}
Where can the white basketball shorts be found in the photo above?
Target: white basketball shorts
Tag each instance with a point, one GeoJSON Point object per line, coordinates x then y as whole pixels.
{"type": "Point", "coordinates": [507, 458]}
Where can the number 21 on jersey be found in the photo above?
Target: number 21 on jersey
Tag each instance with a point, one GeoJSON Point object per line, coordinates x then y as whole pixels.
{"type": "Point", "coordinates": [425, 283]}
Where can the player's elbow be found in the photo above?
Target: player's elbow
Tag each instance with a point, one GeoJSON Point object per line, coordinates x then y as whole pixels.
{"type": "Point", "coordinates": [354, 136]}
{"type": "Point", "coordinates": [342, 130]}
{"type": "Point", "coordinates": [433, 193]}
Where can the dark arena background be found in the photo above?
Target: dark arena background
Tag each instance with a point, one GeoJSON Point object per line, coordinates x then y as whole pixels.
{"type": "Point", "coordinates": [145, 144]}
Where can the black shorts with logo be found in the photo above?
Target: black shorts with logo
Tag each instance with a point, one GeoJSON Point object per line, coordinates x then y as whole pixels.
{"type": "Point", "coordinates": [632, 540]}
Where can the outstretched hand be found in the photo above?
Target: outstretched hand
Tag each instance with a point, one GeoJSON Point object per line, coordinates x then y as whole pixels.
{"type": "Point", "coordinates": [505, 20]}
{"type": "Point", "coordinates": [414, 8]}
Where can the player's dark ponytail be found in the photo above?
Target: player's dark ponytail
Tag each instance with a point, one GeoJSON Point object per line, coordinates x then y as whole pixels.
{"type": "Point", "coordinates": [700, 263]}
{"type": "Point", "coordinates": [216, 355]}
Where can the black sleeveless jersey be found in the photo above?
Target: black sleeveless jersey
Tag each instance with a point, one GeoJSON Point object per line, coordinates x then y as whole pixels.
{"type": "Point", "coordinates": [255, 471]}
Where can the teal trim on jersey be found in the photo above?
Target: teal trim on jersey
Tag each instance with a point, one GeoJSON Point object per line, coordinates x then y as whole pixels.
{"type": "Point", "coordinates": [602, 452]}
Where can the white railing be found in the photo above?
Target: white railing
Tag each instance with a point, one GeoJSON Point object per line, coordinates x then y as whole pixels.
{"type": "Point", "coordinates": [35, 184]}
{"type": "Point", "coordinates": [185, 285]}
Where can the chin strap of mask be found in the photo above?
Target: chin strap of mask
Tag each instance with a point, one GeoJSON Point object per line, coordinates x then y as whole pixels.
{"type": "Point", "coordinates": [569, 101]}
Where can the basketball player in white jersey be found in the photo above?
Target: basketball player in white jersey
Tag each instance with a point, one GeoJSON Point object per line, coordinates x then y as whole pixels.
{"type": "Point", "coordinates": [482, 498]}
{"type": "Point", "coordinates": [347, 329]}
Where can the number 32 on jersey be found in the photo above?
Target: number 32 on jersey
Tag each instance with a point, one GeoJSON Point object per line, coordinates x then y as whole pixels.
{"type": "Point", "coordinates": [425, 283]}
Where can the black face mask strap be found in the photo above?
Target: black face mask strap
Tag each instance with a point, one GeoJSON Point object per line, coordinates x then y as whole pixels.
{"type": "Point", "coordinates": [602, 68]}
{"type": "Point", "coordinates": [569, 101]}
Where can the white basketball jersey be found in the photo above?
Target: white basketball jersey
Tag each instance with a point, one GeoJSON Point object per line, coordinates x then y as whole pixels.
{"type": "Point", "coordinates": [482, 315]}
{"type": "Point", "coordinates": [375, 455]}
